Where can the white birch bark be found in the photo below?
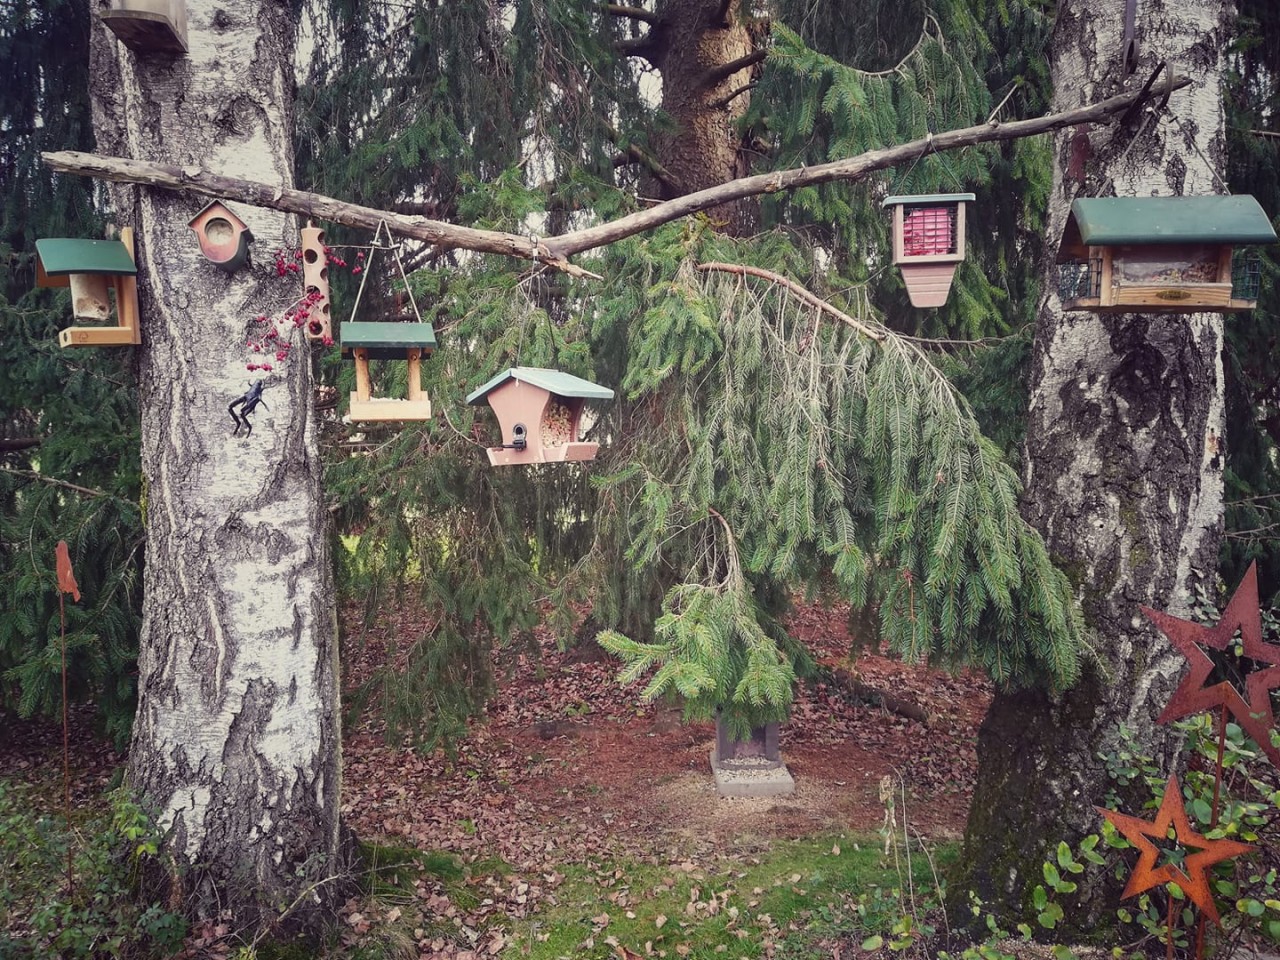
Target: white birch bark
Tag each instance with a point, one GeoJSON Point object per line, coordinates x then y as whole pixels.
{"type": "Point", "coordinates": [1124, 464]}
{"type": "Point", "coordinates": [236, 742]}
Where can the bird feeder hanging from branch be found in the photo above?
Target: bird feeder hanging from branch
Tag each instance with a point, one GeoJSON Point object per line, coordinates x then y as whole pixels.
{"type": "Point", "coordinates": [540, 411]}
{"type": "Point", "coordinates": [93, 270]}
{"type": "Point", "coordinates": [388, 340]}
{"type": "Point", "coordinates": [928, 242]}
{"type": "Point", "coordinates": [1161, 254]}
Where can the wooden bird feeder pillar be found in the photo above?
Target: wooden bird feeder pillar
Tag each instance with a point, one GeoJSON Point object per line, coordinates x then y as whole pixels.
{"type": "Point", "coordinates": [315, 282]}
{"type": "Point", "coordinates": [93, 269]}
{"type": "Point", "coordinates": [149, 26]}
{"type": "Point", "coordinates": [388, 341]}
{"type": "Point", "coordinates": [1161, 254]}
{"type": "Point", "coordinates": [540, 412]}
{"type": "Point", "coordinates": [928, 242]}
{"type": "Point", "coordinates": [224, 237]}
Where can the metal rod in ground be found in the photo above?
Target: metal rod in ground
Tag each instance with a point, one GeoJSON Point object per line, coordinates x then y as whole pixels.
{"type": "Point", "coordinates": [1169, 929]}
{"type": "Point", "coordinates": [1213, 815]}
{"type": "Point", "coordinates": [66, 742]}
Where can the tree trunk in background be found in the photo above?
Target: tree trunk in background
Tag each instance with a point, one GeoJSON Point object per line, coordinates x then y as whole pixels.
{"type": "Point", "coordinates": [1124, 467]}
{"type": "Point", "coordinates": [236, 742]}
{"type": "Point", "coordinates": [695, 41]}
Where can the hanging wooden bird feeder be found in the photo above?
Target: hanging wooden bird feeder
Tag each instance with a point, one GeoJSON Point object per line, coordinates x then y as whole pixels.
{"type": "Point", "coordinates": [388, 340]}
{"type": "Point", "coordinates": [540, 411]}
{"type": "Point", "coordinates": [1161, 254]}
{"type": "Point", "coordinates": [149, 26]}
{"type": "Point", "coordinates": [928, 242]}
{"type": "Point", "coordinates": [315, 283]}
{"type": "Point", "coordinates": [224, 237]}
{"type": "Point", "coordinates": [93, 269]}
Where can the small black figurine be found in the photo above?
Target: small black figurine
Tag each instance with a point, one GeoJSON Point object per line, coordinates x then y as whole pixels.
{"type": "Point", "coordinates": [247, 404]}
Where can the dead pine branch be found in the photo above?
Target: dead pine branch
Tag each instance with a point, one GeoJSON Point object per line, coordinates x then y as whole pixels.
{"type": "Point", "coordinates": [555, 252]}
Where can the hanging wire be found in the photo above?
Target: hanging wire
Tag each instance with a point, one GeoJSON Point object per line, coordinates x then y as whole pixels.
{"type": "Point", "coordinates": [373, 249]}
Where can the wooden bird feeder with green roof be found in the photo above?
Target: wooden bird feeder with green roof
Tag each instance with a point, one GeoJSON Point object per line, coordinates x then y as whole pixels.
{"type": "Point", "coordinates": [540, 412]}
{"type": "Point", "coordinates": [1161, 254]}
{"type": "Point", "coordinates": [94, 270]}
{"type": "Point", "coordinates": [372, 340]}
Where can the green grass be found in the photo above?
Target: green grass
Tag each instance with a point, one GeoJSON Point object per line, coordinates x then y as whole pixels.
{"type": "Point", "coordinates": [793, 894]}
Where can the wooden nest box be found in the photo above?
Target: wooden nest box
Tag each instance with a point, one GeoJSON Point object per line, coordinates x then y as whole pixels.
{"type": "Point", "coordinates": [1161, 254]}
{"type": "Point", "coordinates": [224, 237]}
{"type": "Point", "coordinates": [149, 26]}
{"type": "Point", "coordinates": [380, 340]}
{"type": "Point", "coordinates": [928, 242]}
{"type": "Point", "coordinates": [540, 412]}
{"type": "Point", "coordinates": [93, 270]}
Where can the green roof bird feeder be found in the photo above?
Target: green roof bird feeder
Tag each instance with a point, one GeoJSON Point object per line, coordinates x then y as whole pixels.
{"type": "Point", "coordinates": [1161, 254]}
{"type": "Point", "coordinates": [540, 412]}
{"type": "Point", "coordinates": [224, 237]}
{"type": "Point", "coordinates": [93, 269]}
{"type": "Point", "coordinates": [384, 340]}
{"type": "Point", "coordinates": [928, 242]}
{"type": "Point", "coordinates": [388, 341]}
{"type": "Point", "coordinates": [149, 26]}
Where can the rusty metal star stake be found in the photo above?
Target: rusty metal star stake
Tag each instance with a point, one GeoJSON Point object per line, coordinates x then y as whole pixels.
{"type": "Point", "coordinates": [66, 584]}
{"type": "Point", "coordinates": [1252, 708]}
{"type": "Point", "coordinates": [1193, 880]}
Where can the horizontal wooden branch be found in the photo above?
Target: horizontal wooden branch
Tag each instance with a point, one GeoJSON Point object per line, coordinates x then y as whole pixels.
{"type": "Point", "coordinates": [723, 71]}
{"type": "Point", "coordinates": [555, 251]}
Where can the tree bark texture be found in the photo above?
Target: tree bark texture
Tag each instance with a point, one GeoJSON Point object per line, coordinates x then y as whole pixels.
{"type": "Point", "coordinates": [237, 743]}
{"type": "Point", "coordinates": [707, 57]}
{"type": "Point", "coordinates": [1123, 466]}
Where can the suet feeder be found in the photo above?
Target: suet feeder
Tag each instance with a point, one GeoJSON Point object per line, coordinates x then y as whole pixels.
{"type": "Point", "coordinates": [149, 26]}
{"type": "Point", "coordinates": [315, 282]}
{"type": "Point", "coordinates": [92, 269]}
{"type": "Point", "coordinates": [1161, 254]}
{"type": "Point", "coordinates": [224, 237]}
{"type": "Point", "coordinates": [928, 242]}
{"type": "Point", "coordinates": [388, 341]}
{"type": "Point", "coordinates": [540, 412]}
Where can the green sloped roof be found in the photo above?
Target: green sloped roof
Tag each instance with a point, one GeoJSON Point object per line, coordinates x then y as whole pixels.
{"type": "Point", "coordinates": [387, 341]}
{"type": "Point", "coordinates": [556, 381]}
{"type": "Point", "coordinates": [61, 256]}
{"type": "Point", "coordinates": [1116, 220]}
{"type": "Point", "coordinates": [928, 198]}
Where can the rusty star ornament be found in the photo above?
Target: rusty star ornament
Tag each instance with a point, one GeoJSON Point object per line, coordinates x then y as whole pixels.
{"type": "Point", "coordinates": [1250, 707]}
{"type": "Point", "coordinates": [1193, 880]}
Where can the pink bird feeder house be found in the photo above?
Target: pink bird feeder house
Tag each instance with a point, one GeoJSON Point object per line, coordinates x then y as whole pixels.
{"type": "Point", "coordinates": [540, 412]}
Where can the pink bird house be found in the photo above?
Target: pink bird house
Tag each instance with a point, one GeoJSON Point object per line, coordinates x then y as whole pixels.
{"type": "Point", "coordinates": [540, 412]}
{"type": "Point", "coordinates": [928, 242]}
{"type": "Point", "coordinates": [224, 237]}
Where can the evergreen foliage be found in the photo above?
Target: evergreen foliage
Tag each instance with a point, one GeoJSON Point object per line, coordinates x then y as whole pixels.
{"type": "Point", "coordinates": [67, 418]}
{"type": "Point", "coordinates": [753, 449]}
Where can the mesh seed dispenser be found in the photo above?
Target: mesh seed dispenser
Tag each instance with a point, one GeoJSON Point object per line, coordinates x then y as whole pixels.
{"type": "Point", "coordinates": [928, 242]}
{"type": "Point", "coordinates": [540, 411]}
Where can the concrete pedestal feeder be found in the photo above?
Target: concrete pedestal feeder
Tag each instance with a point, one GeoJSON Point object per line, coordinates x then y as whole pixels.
{"type": "Point", "coordinates": [752, 767]}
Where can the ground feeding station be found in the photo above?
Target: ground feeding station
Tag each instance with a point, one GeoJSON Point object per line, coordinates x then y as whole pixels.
{"type": "Point", "coordinates": [224, 237]}
{"type": "Point", "coordinates": [94, 270]}
{"type": "Point", "coordinates": [750, 767]}
{"type": "Point", "coordinates": [928, 242]}
{"type": "Point", "coordinates": [1162, 254]}
{"type": "Point", "coordinates": [540, 412]}
{"type": "Point", "coordinates": [149, 26]}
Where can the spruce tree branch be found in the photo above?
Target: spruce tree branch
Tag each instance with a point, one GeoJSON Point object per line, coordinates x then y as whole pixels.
{"type": "Point", "coordinates": [634, 153]}
{"type": "Point", "coordinates": [637, 47]}
{"type": "Point", "coordinates": [31, 474]}
{"type": "Point", "coordinates": [726, 70]}
{"type": "Point", "coordinates": [631, 13]}
{"type": "Point", "coordinates": [729, 98]}
{"type": "Point", "coordinates": [555, 251]}
{"type": "Point", "coordinates": [13, 444]}
{"type": "Point", "coordinates": [808, 297]}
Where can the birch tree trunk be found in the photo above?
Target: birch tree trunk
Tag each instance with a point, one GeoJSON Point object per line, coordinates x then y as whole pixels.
{"type": "Point", "coordinates": [1124, 464]}
{"type": "Point", "coordinates": [236, 742]}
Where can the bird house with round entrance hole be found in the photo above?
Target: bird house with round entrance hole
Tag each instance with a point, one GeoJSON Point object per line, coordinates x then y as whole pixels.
{"type": "Point", "coordinates": [96, 271]}
{"type": "Point", "coordinates": [371, 340]}
{"type": "Point", "coordinates": [224, 237]}
{"type": "Point", "coordinates": [540, 412]}
{"type": "Point", "coordinates": [1162, 254]}
{"type": "Point", "coordinates": [149, 26]}
{"type": "Point", "coordinates": [928, 242]}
